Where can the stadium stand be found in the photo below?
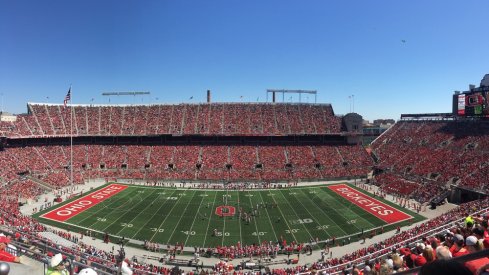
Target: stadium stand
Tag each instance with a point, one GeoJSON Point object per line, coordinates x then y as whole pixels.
{"type": "Point", "coordinates": [184, 162]}
{"type": "Point", "coordinates": [410, 155]}
{"type": "Point", "coordinates": [434, 153]}
{"type": "Point", "coordinates": [260, 119]}
{"type": "Point", "coordinates": [49, 164]}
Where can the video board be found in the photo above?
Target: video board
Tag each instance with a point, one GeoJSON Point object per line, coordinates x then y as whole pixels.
{"type": "Point", "coordinates": [475, 104]}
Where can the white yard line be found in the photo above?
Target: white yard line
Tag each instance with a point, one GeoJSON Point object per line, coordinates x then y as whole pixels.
{"type": "Point", "coordinates": [254, 220]}
{"type": "Point", "coordinates": [312, 216]}
{"type": "Point", "coordinates": [270, 220]}
{"type": "Point", "coordinates": [293, 209]}
{"type": "Point", "coordinates": [224, 219]}
{"type": "Point", "coordinates": [127, 211]}
{"type": "Point", "coordinates": [283, 216]}
{"type": "Point", "coordinates": [130, 222]}
{"type": "Point", "coordinates": [326, 214]}
{"type": "Point", "coordinates": [176, 226]}
{"type": "Point", "coordinates": [161, 224]}
{"type": "Point", "coordinates": [239, 221]}
{"type": "Point", "coordinates": [154, 214]}
{"type": "Point", "coordinates": [188, 236]}
{"type": "Point", "coordinates": [209, 222]}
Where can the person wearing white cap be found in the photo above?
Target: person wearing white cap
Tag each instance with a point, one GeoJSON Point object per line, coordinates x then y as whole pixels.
{"type": "Point", "coordinates": [87, 271]}
{"type": "Point", "coordinates": [473, 245]}
{"type": "Point", "coordinates": [57, 266]}
{"type": "Point", "coordinates": [125, 270]}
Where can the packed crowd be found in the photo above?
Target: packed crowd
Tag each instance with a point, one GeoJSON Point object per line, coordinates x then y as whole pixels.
{"type": "Point", "coordinates": [216, 118]}
{"type": "Point", "coordinates": [51, 164]}
{"type": "Point", "coordinates": [21, 189]}
{"type": "Point", "coordinates": [439, 151]}
{"type": "Point", "coordinates": [397, 185]}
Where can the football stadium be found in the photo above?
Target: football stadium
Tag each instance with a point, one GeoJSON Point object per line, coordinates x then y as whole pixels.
{"type": "Point", "coordinates": [146, 182]}
{"type": "Point", "coordinates": [240, 187]}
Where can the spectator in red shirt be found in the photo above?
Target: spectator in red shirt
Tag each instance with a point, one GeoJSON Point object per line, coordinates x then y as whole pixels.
{"type": "Point", "coordinates": [473, 245]}
{"type": "Point", "coordinates": [458, 248]}
{"type": "Point", "coordinates": [4, 255]}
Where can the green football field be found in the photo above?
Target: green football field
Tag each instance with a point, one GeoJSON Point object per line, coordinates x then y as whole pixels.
{"type": "Point", "coordinates": [189, 216]}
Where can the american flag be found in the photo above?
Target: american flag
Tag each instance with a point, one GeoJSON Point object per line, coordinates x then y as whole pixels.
{"type": "Point", "coordinates": [67, 97]}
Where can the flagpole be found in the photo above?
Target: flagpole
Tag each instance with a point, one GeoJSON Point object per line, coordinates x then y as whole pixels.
{"type": "Point", "coordinates": [71, 143]}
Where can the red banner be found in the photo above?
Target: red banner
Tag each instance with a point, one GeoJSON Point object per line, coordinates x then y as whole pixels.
{"type": "Point", "coordinates": [74, 208]}
{"type": "Point", "coordinates": [380, 210]}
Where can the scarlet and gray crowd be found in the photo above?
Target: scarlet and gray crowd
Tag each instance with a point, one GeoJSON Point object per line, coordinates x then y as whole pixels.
{"type": "Point", "coordinates": [264, 163]}
{"type": "Point", "coordinates": [213, 119]}
{"type": "Point", "coordinates": [50, 164]}
{"type": "Point", "coordinates": [433, 152]}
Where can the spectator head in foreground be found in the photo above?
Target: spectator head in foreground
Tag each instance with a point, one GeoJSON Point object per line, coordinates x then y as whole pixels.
{"type": "Point", "coordinates": [385, 269]}
{"type": "Point", "coordinates": [87, 271]}
{"type": "Point", "coordinates": [482, 235]}
{"type": "Point", "coordinates": [442, 267]}
{"type": "Point", "coordinates": [472, 244]}
{"type": "Point", "coordinates": [57, 265]}
{"type": "Point", "coordinates": [458, 240]}
{"type": "Point", "coordinates": [443, 253]}
{"type": "Point", "coordinates": [125, 270]}
{"type": "Point", "coordinates": [4, 255]}
{"type": "Point", "coordinates": [4, 268]}
{"type": "Point", "coordinates": [428, 254]}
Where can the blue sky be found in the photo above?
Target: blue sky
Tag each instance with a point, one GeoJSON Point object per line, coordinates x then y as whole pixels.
{"type": "Point", "coordinates": [179, 49]}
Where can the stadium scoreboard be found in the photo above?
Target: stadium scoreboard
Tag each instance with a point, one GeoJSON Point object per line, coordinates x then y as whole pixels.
{"type": "Point", "coordinates": [473, 103]}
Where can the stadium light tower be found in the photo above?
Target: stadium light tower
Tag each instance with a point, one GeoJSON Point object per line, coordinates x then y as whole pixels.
{"type": "Point", "coordinates": [283, 92]}
{"type": "Point", "coordinates": [109, 94]}
{"type": "Point", "coordinates": [353, 100]}
{"type": "Point", "coordinates": [352, 103]}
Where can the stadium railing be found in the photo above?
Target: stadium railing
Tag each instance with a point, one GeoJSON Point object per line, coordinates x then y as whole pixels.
{"type": "Point", "coordinates": [22, 250]}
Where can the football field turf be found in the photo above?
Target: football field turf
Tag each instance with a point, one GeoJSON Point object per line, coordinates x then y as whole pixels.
{"type": "Point", "coordinates": [209, 218]}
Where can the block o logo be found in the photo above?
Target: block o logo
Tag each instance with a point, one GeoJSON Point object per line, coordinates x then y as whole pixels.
{"type": "Point", "coordinates": [225, 211]}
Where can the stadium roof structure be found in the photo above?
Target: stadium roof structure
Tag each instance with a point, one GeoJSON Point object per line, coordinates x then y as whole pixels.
{"type": "Point", "coordinates": [485, 81]}
{"type": "Point", "coordinates": [175, 104]}
{"type": "Point", "coordinates": [428, 116]}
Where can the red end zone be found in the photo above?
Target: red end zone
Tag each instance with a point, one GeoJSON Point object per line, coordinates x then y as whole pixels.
{"type": "Point", "coordinates": [380, 210]}
{"type": "Point", "coordinates": [74, 208]}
